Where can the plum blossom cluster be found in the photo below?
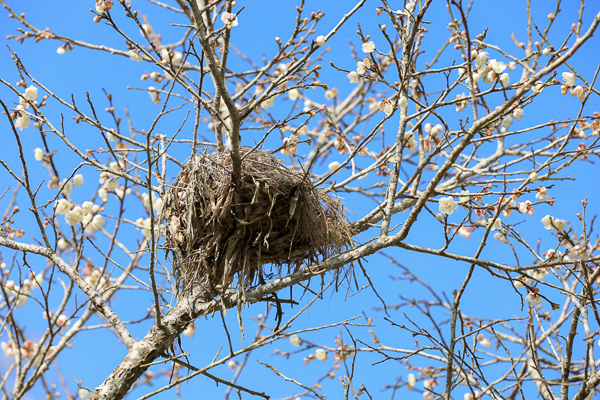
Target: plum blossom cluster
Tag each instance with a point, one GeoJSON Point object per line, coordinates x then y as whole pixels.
{"type": "Point", "coordinates": [22, 118]}
{"type": "Point", "coordinates": [146, 226]}
{"type": "Point", "coordinates": [27, 349]}
{"type": "Point", "coordinates": [556, 224]}
{"type": "Point", "coordinates": [20, 294]}
{"type": "Point", "coordinates": [157, 202]}
{"type": "Point", "coordinates": [103, 5]}
{"type": "Point", "coordinates": [290, 144]}
{"type": "Point", "coordinates": [361, 68]}
{"type": "Point", "coordinates": [229, 19]}
{"type": "Point", "coordinates": [575, 91]}
{"type": "Point", "coordinates": [86, 214]}
{"type": "Point", "coordinates": [110, 183]}
{"type": "Point", "coordinates": [490, 70]}
{"type": "Point", "coordinates": [387, 105]}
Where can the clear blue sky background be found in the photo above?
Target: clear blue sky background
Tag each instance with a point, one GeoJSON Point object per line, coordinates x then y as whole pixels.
{"type": "Point", "coordinates": [95, 354]}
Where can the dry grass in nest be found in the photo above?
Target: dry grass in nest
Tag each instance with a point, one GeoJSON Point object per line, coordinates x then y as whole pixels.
{"type": "Point", "coordinates": [275, 217]}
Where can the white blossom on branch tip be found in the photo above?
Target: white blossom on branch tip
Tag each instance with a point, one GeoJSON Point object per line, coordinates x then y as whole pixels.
{"type": "Point", "coordinates": [495, 224]}
{"type": "Point", "coordinates": [321, 354]}
{"type": "Point", "coordinates": [153, 94]}
{"type": "Point", "coordinates": [533, 299]}
{"type": "Point", "coordinates": [295, 340]}
{"type": "Point", "coordinates": [353, 77]}
{"type": "Point", "coordinates": [294, 94]}
{"type": "Point", "coordinates": [266, 103]}
{"type": "Point", "coordinates": [229, 19]}
{"type": "Point", "coordinates": [368, 47]}
{"type": "Point", "coordinates": [568, 78]}
{"type": "Point", "coordinates": [447, 205]}
{"type": "Point", "coordinates": [134, 56]}
{"type": "Point", "coordinates": [517, 113]}
{"type": "Point", "coordinates": [31, 93]}
{"type": "Point", "coordinates": [556, 224]}
{"type": "Point", "coordinates": [38, 154]}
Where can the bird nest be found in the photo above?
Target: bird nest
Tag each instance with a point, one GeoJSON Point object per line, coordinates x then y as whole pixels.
{"type": "Point", "coordinates": [217, 231]}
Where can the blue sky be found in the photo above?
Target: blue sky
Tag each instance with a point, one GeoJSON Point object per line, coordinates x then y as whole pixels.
{"type": "Point", "coordinates": [96, 353]}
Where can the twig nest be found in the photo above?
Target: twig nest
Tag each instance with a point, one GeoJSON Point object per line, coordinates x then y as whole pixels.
{"type": "Point", "coordinates": [274, 216]}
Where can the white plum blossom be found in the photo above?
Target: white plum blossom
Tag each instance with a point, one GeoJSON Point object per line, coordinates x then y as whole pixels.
{"type": "Point", "coordinates": [61, 50]}
{"type": "Point", "coordinates": [62, 244]}
{"type": "Point", "coordinates": [266, 103]}
{"type": "Point", "coordinates": [521, 281]}
{"type": "Point", "coordinates": [517, 113]}
{"type": "Point", "coordinates": [507, 121]}
{"type": "Point", "coordinates": [333, 166]}
{"type": "Point", "coordinates": [438, 128]}
{"type": "Point", "coordinates": [177, 58]}
{"type": "Point", "coordinates": [542, 193]}
{"type": "Point", "coordinates": [447, 205]}
{"type": "Point", "coordinates": [63, 321]}
{"type": "Point", "coordinates": [505, 79]}
{"type": "Point", "coordinates": [134, 56]}
{"type": "Point", "coordinates": [533, 176]}
{"type": "Point", "coordinates": [38, 154]}
{"type": "Point", "coordinates": [87, 207]}
{"type": "Point", "coordinates": [87, 218]}
{"type": "Point", "coordinates": [320, 41]}
{"type": "Point", "coordinates": [578, 91]}
{"type": "Point", "coordinates": [499, 236]}
{"type": "Point", "coordinates": [295, 340]}
{"type": "Point", "coordinates": [540, 274]}
{"type": "Point", "coordinates": [353, 77]}
{"type": "Point", "coordinates": [411, 381]}
{"type": "Point", "coordinates": [481, 59]}
{"type": "Point", "coordinates": [512, 65]}
{"type": "Point", "coordinates": [74, 216]}
{"type": "Point", "coordinates": [464, 232]}
{"type": "Point", "coordinates": [82, 393]}
{"type": "Point", "coordinates": [550, 222]}
{"type": "Point", "coordinates": [294, 94]}
{"type": "Point", "coordinates": [360, 67]}
{"type": "Point", "coordinates": [368, 47]}
{"type": "Point", "coordinates": [97, 222]}
{"type": "Point", "coordinates": [497, 66]}
{"type": "Point", "coordinates": [153, 94]}
{"type": "Point", "coordinates": [229, 19]}
{"type": "Point", "coordinates": [103, 194]}
{"type": "Point", "coordinates": [321, 354]}
{"type": "Point", "coordinates": [403, 102]}
{"type": "Point", "coordinates": [409, 142]}
{"type": "Point", "coordinates": [496, 224]}
{"type": "Point", "coordinates": [63, 206]}
{"type": "Point", "coordinates": [78, 180]}
{"type": "Point", "coordinates": [525, 207]}
{"type": "Point", "coordinates": [489, 77]}
{"type": "Point", "coordinates": [102, 5]}
{"type": "Point", "coordinates": [388, 109]}
{"type": "Point", "coordinates": [23, 120]}
{"type": "Point", "coordinates": [31, 93]}
{"type": "Point", "coordinates": [569, 78]}
{"type": "Point", "coordinates": [7, 349]}
{"type": "Point", "coordinates": [65, 187]}
{"type": "Point", "coordinates": [533, 299]}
